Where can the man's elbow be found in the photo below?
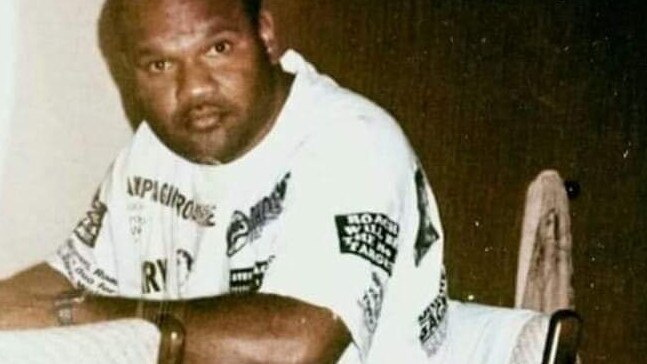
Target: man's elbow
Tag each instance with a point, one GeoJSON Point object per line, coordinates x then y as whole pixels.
{"type": "Point", "coordinates": [317, 344]}
{"type": "Point", "coordinates": [321, 345]}
{"type": "Point", "coordinates": [294, 350]}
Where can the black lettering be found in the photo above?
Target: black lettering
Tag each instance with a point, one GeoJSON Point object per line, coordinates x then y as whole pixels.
{"type": "Point", "coordinates": [210, 221]}
{"type": "Point", "coordinates": [366, 218]}
{"type": "Point", "coordinates": [96, 215]}
{"type": "Point", "coordinates": [282, 187]}
{"type": "Point", "coordinates": [352, 229]}
{"type": "Point", "coordinates": [84, 276]}
{"type": "Point", "coordinates": [99, 273]}
{"type": "Point", "coordinates": [161, 265]}
{"type": "Point", "coordinates": [267, 207]}
{"type": "Point", "coordinates": [375, 229]}
{"type": "Point", "coordinates": [135, 186]}
{"type": "Point", "coordinates": [367, 238]}
{"type": "Point", "coordinates": [187, 211]}
{"type": "Point", "coordinates": [179, 202]}
{"type": "Point", "coordinates": [353, 219]}
{"type": "Point", "coordinates": [148, 186]}
{"type": "Point", "coordinates": [256, 216]}
{"type": "Point", "coordinates": [174, 197]}
{"type": "Point", "coordinates": [150, 284]}
{"type": "Point", "coordinates": [155, 191]}
{"type": "Point", "coordinates": [130, 188]}
{"type": "Point", "coordinates": [164, 195]}
{"type": "Point", "coordinates": [78, 255]}
{"type": "Point", "coordinates": [170, 196]}
{"type": "Point", "coordinates": [105, 289]}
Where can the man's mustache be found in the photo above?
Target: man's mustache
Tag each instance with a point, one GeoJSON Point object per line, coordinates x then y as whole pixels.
{"type": "Point", "coordinates": [200, 108]}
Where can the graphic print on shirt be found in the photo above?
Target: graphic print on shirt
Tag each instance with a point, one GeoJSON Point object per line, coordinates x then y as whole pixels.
{"type": "Point", "coordinates": [371, 236]}
{"type": "Point", "coordinates": [154, 275]}
{"type": "Point", "coordinates": [83, 272]}
{"type": "Point", "coordinates": [155, 272]}
{"type": "Point", "coordinates": [250, 279]}
{"type": "Point", "coordinates": [184, 261]}
{"type": "Point", "coordinates": [170, 196]}
{"type": "Point", "coordinates": [371, 303]}
{"type": "Point", "coordinates": [136, 221]}
{"type": "Point", "coordinates": [433, 320]}
{"type": "Point", "coordinates": [245, 229]}
{"type": "Point", "coordinates": [427, 234]}
{"type": "Point", "coordinates": [89, 227]}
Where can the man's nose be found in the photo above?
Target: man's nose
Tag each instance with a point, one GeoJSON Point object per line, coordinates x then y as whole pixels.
{"type": "Point", "coordinates": [195, 81]}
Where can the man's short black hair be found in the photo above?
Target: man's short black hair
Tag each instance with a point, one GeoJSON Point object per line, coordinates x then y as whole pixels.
{"type": "Point", "coordinates": [111, 23]}
{"type": "Point", "coordinates": [253, 9]}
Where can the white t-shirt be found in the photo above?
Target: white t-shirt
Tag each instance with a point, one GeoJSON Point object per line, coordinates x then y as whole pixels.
{"type": "Point", "coordinates": [331, 208]}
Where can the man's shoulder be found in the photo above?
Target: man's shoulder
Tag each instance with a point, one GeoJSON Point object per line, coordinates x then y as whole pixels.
{"type": "Point", "coordinates": [355, 142]}
{"type": "Point", "coordinates": [351, 126]}
{"type": "Point", "coordinates": [337, 110]}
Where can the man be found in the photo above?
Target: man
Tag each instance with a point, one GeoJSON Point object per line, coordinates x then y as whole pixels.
{"type": "Point", "coordinates": [289, 215]}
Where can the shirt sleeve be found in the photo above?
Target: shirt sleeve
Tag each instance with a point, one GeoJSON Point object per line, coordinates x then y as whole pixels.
{"type": "Point", "coordinates": [414, 321]}
{"type": "Point", "coordinates": [350, 213]}
{"type": "Point", "coordinates": [87, 256]}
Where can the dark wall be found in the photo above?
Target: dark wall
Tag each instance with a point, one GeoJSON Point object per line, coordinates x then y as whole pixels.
{"type": "Point", "coordinates": [490, 94]}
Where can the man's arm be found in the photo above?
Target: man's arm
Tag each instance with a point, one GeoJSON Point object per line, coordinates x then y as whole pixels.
{"type": "Point", "coordinates": [250, 328]}
{"type": "Point", "coordinates": [261, 328]}
{"type": "Point", "coordinates": [26, 299]}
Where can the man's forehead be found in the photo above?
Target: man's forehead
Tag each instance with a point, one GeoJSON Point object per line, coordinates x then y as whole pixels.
{"type": "Point", "coordinates": [142, 12]}
{"type": "Point", "coordinates": [145, 19]}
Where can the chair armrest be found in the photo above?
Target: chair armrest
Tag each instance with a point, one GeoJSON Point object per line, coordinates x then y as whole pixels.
{"type": "Point", "coordinates": [563, 339]}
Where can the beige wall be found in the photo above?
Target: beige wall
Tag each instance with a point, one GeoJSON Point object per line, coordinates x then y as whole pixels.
{"type": "Point", "coordinates": [61, 124]}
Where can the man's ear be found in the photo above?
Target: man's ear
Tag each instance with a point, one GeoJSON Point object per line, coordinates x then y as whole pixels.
{"type": "Point", "coordinates": [266, 31]}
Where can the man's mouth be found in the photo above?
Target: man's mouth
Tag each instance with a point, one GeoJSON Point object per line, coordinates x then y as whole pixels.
{"type": "Point", "coordinates": [204, 118]}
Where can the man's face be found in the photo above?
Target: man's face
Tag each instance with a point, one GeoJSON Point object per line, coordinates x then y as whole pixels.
{"type": "Point", "coordinates": [202, 75]}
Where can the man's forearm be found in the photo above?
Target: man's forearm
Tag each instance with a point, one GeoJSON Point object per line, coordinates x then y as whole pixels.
{"type": "Point", "coordinates": [258, 328]}
{"type": "Point", "coordinates": [225, 329]}
{"type": "Point", "coordinates": [26, 299]}
{"type": "Point", "coordinates": [253, 328]}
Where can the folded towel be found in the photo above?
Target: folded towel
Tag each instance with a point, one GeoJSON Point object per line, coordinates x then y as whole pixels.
{"type": "Point", "coordinates": [545, 265]}
{"type": "Point", "coordinates": [131, 341]}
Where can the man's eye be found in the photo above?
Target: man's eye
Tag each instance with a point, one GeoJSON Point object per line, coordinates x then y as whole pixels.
{"type": "Point", "coordinates": [219, 48]}
{"type": "Point", "coordinates": [159, 66]}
